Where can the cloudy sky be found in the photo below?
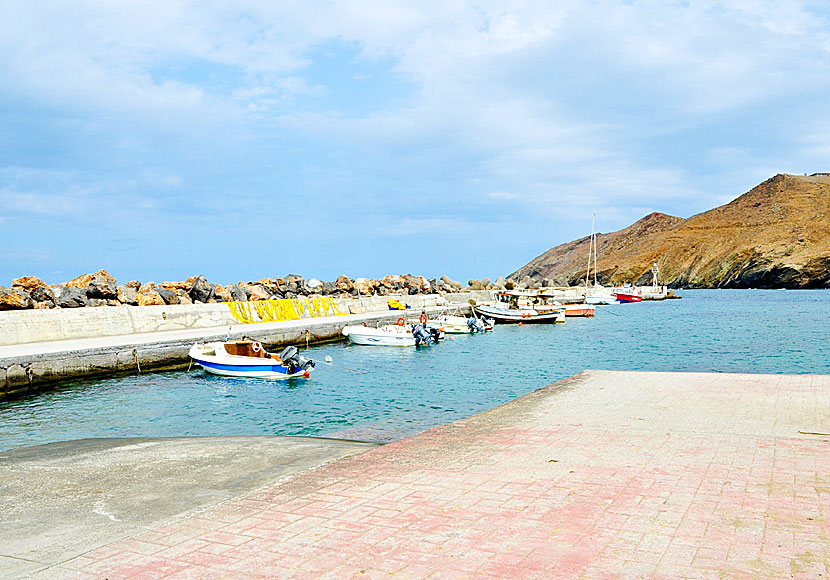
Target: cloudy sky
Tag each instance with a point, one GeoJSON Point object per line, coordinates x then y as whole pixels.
{"type": "Point", "coordinates": [162, 139]}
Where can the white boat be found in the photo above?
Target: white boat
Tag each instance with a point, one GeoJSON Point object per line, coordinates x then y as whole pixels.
{"type": "Point", "coordinates": [457, 324]}
{"type": "Point", "coordinates": [247, 358]}
{"type": "Point", "coordinates": [596, 297]}
{"type": "Point", "coordinates": [515, 306]}
{"type": "Point", "coordinates": [600, 300]}
{"type": "Point", "coordinates": [386, 335]}
{"type": "Point", "coordinates": [400, 334]}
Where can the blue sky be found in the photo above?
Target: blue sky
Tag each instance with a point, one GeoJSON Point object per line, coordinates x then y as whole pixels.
{"type": "Point", "coordinates": [164, 139]}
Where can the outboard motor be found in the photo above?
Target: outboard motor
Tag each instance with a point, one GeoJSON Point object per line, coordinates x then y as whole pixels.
{"type": "Point", "coordinates": [421, 334]}
{"type": "Point", "coordinates": [292, 359]}
{"type": "Point", "coordinates": [474, 324]}
{"type": "Point", "coordinates": [435, 333]}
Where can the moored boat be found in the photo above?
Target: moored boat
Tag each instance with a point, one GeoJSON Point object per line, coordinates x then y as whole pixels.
{"type": "Point", "coordinates": [627, 294]}
{"type": "Point", "coordinates": [584, 310]}
{"type": "Point", "coordinates": [457, 324]}
{"type": "Point", "coordinates": [400, 334]}
{"type": "Point", "coordinates": [386, 335]}
{"type": "Point", "coordinates": [249, 359]}
{"type": "Point", "coordinates": [518, 307]}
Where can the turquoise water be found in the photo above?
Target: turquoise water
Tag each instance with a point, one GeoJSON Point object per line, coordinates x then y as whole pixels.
{"type": "Point", "coordinates": [404, 391]}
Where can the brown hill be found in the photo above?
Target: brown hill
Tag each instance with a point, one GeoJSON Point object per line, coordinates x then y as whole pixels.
{"type": "Point", "coordinates": [777, 235]}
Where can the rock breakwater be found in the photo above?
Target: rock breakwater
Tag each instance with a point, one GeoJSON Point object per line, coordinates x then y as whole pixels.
{"type": "Point", "coordinates": [102, 289]}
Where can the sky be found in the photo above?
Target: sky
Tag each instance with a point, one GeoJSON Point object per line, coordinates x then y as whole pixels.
{"type": "Point", "coordinates": [165, 139]}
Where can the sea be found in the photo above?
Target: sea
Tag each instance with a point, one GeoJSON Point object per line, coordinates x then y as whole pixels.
{"type": "Point", "coordinates": [383, 394]}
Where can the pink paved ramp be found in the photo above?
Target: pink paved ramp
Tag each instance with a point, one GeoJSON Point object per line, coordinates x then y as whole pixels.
{"type": "Point", "coordinates": [607, 475]}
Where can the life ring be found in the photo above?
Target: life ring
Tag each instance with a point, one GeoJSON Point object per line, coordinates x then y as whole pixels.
{"type": "Point", "coordinates": [401, 321]}
{"type": "Point", "coordinates": [423, 318]}
{"type": "Point", "coordinates": [256, 347]}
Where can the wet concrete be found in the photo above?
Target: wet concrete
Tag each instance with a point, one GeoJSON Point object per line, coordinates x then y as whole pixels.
{"type": "Point", "coordinates": [62, 500]}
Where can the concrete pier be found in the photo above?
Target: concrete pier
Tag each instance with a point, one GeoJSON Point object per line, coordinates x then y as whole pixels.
{"type": "Point", "coordinates": [40, 347]}
{"type": "Point", "coordinates": [606, 475]}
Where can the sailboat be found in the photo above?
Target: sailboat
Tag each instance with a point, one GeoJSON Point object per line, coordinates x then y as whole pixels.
{"type": "Point", "coordinates": [596, 297]}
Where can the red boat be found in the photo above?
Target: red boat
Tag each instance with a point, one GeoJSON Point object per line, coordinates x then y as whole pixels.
{"type": "Point", "coordinates": [627, 294]}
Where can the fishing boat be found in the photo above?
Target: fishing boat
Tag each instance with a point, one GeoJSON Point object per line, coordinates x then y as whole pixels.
{"type": "Point", "coordinates": [248, 358]}
{"type": "Point", "coordinates": [627, 294]}
{"type": "Point", "coordinates": [514, 306]}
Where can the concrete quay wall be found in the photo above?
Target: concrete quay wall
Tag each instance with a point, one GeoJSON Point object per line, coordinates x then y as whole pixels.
{"type": "Point", "coordinates": [31, 326]}
{"type": "Point", "coordinates": [56, 345]}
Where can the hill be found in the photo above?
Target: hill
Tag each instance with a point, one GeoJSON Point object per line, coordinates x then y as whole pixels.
{"type": "Point", "coordinates": [777, 235]}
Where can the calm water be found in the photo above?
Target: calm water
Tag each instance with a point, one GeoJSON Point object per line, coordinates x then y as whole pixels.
{"type": "Point", "coordinates": [404, 391]}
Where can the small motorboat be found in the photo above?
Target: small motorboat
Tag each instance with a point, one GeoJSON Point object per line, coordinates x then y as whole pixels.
{"type": "Point", "coordinates": [400, 334]}
{"type": "Point", "coordinates": [515, 306]}
{"type": "Point", "coordinates": [456, 324]}
{"type": "Point", "coordinates": [248, 358]}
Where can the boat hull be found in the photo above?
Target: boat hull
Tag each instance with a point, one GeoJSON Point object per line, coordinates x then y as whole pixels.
{"type": "Point", "coordinates": [368, 336]}
{"type": "Point", "coordinates": [511, 316]}
{"type": "Point", "coordinates": [241, 366]}
{"type": "Point", "coordinates": [600, 300]}
{"type": "Point", "coordinates": [627, 298]}
{"type": "Point", "coordinates": [583, 310]}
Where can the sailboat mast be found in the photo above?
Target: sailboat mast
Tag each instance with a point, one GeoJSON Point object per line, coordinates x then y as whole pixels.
{"type": "Point", "coordinates": [594, 243]}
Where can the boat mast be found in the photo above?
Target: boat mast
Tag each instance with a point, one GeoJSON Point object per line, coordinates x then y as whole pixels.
{"type": "Point", "coordinates": [594, 236]}
{"type": "Point", "coordinates": [592, 249]}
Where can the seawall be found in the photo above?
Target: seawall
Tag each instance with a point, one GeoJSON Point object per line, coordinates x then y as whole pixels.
{"type": "Point", "coordinates": [41, 347]}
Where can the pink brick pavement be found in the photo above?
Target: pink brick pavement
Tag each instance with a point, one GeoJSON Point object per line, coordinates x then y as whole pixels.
{"type": "Point", "coordinates": [607, 475]}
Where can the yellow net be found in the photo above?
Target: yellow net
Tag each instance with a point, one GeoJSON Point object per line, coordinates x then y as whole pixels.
{"type": "Point", "coordinates": [282, 309]}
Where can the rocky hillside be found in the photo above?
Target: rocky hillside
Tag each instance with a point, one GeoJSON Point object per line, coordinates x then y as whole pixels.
{"type": "Point", "coordinates": [775, 236]}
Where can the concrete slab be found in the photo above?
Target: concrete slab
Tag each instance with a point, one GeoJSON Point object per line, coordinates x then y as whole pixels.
{"type": "Point", "coordinates": [62, 500]}
{"type": "Point", "coordinates": [607, 475]}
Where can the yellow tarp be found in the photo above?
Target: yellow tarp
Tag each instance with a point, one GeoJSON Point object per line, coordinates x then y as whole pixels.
{"type": "Point", "coordinates": [283, 309]}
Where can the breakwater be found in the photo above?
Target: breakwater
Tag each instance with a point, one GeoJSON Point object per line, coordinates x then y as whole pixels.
{"type": "Point", "coordinates": [40, 347]}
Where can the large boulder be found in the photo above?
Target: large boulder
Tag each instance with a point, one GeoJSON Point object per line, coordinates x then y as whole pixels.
{"type": "Point", "coordinates": [236, 293]}
{"type": "Point", "coordinates": [169, 295]}
{"type": "Point", "coordinates": [202, 290]}
{"type": "Point", "coordinates": [344, 284]}
{"type": "Point", "coordinates": [83, 281]}
{"type": "Point", "coordinates": [221, 294]}
{"type": "Point", "coordinates": [258, 292]}
{"type": "Point", "coordinates": [127, 294]}
{"type": "Point", "coordinates": [364, 287]}
{"type": "Point", "coordinates": [499, 284]}
{"type": "Point", "coordinates": [184, 297]}
{"type": "Point", "coordinates": [15, 299]}
{"type": "Point", "coordinates": [69, 296]}
{"type": "Point", "coordinates": [28, 283]}
{"type": "Point", "coordinates": [102, 285]}
{"type": "Point", "coordinates": [150, 298]}
{"type": "Point", "coordinates": [43, 297]}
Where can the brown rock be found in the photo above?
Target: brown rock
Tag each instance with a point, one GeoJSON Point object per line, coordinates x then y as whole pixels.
{"type": "Point", "coordinates": [222, 294]}
{"type": "Point", "coordinates": [258, 292]}
{"type": "Point", "coordinates": [28, 283]}
{"type": "Point", "coordinates": [150, 298]}
{"type": "Point", "coordinates": [14, 299]}
{"type": "Point", "coordinates": [344, 284]}
{"type": "Point", "coordinates": [147, 287]}
{"type": "Point", "coordinates": [83, 281]}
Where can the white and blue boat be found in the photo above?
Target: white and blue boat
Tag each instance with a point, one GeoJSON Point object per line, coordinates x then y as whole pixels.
{"type": "Point", "coordinates": [249, 359]}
